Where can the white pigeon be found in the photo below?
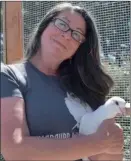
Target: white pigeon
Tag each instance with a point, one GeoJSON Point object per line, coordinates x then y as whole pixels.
{"type": "Point", "coordinates": [76, 107]}
{"type": "Point", "coordinates": [88, 120]}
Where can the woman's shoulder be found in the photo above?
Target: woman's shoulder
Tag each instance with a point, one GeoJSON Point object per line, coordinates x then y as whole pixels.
{"type": "Point", "coordinates": [9, 67]}
{"type": "Point", "coordinates": [4, 68]}
{"type": "Point", "coordinates": [15, 73]}
{"type": "Point", "coordinates": [15, 70]}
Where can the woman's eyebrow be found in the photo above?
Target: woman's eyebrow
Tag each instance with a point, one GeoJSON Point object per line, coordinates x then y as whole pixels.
{"type": "Point", "coordinates": [66, 18]}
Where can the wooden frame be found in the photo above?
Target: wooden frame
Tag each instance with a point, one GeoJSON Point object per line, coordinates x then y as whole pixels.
{"type": "Point", "coordinates": [13, 33]}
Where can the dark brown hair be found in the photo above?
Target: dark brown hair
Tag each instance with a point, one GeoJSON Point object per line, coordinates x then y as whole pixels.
{"type": "Point", "coordinates": [83, 76]}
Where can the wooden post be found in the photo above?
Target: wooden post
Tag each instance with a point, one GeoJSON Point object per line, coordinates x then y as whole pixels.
{"type": "Point", "coordinates": [13, 34]}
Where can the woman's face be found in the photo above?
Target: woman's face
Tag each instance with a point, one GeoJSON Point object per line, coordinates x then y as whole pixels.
{"type": "Point", "coordinates": [61, 45]}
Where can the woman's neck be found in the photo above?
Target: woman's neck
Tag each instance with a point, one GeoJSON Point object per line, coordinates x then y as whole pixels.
{"type": "Point", "coordinates": [48, 67]}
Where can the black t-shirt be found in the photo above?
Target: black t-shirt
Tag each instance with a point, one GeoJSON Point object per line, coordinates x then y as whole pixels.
{"type": "Point", "coordinates": [46, 112]}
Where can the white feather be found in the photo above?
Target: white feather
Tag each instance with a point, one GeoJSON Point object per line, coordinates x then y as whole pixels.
{"type": "Point", "coordinates": [76, 108]}
{"type": "Point", "coordinates": [110, 109]}
{"type": "Point", "coordinates": [89, 121]}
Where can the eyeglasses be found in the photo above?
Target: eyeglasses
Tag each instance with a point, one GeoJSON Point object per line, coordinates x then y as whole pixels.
{"type": "Point", "coordinates": [63, 26]}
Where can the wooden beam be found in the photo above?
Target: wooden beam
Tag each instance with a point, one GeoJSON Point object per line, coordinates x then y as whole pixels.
{"type": "Point", "coordinates": [13, 31]}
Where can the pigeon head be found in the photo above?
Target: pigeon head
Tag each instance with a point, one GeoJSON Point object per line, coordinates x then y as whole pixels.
{"type": "Point", "coordinates": [115, 106]}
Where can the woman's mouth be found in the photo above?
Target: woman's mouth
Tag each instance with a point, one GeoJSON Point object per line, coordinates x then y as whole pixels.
{"type": "Point", "coordinates": [63, 46]}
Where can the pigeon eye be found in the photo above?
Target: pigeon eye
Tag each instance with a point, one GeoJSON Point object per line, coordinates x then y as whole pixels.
{"type": "Point", "coordinates": [116, 102]}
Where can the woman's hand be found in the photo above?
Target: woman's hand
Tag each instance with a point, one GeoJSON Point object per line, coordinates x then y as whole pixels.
{"type": "Point", "coordinates": [104, 156]}
{"type": "Point", "coordinates": [114, 150]}
{"type": "Point", "coordinates": [112, 136]}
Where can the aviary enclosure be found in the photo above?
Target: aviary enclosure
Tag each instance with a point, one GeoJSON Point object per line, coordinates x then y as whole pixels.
{"type": "Point", "coordinates": [113, 22]}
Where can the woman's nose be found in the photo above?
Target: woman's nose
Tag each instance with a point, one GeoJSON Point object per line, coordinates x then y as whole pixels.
{"type": "Point", "coordinates": [67, 34]}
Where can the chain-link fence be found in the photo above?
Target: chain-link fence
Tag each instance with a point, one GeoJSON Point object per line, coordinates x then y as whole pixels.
{"type": "Point", "coordinates": [113, 22]}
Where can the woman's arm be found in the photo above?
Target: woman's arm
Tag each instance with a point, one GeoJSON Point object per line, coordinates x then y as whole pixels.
{"type": "Point", "coordinates": [18, 145]}
{"type": "Point", "coordinates": [104, 157]}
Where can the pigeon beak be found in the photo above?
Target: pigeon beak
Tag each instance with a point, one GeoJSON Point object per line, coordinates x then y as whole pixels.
{"type": "Point", "coordinates": [119, 114]}
{"type": "Point", "coordinates": [127, 109]}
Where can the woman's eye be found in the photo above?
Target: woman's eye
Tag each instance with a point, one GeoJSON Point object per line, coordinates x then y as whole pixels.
{"type": "Point", "coordinates": [76, 35]}
{"type": "Point", "coordinates": [62, 24]}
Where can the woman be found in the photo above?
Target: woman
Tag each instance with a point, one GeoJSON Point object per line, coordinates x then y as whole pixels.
{"type": "Point", "coordinates": [63, 56]}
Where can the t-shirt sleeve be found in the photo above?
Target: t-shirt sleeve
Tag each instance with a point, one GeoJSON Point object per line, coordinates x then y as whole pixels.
{"type": "Point", "coordinates": [9, 83]}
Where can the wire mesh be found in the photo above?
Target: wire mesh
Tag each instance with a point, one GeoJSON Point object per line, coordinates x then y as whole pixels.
{"type": "Point", "coordinates": [113, 23]}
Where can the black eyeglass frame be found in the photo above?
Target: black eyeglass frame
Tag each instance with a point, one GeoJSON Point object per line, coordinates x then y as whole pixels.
{"type": "Point", "coordinates": [69, 29]}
